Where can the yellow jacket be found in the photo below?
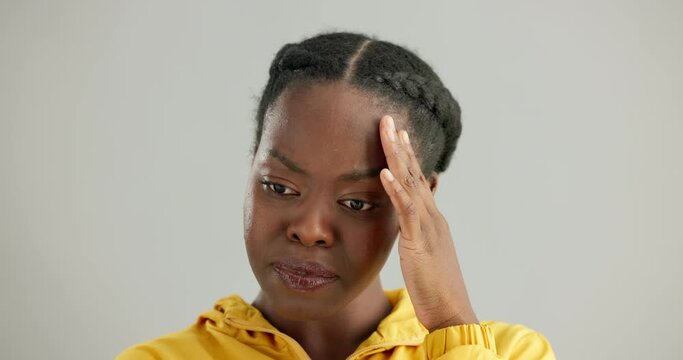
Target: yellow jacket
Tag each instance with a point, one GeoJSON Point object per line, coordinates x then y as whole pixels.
{"type": "Point", "coordinates": [235, 329]}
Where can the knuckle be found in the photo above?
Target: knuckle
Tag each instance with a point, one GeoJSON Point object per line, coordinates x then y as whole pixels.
{"type": "Point", "coordinates": [411, 209]}
{"type": "Point", "coordinates": [420, 250]}
{"type": "Point", "coordinates": [409, 180]}
{"type": "Point", "coordinates": [398, 190]}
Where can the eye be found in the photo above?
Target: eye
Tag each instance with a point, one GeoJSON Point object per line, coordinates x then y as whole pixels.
{"type": "Point", "coordinates": [357, 205]}
{"type": "Point", "coordinates": [278, 189]}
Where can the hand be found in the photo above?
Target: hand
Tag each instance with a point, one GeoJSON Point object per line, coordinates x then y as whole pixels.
{"type": "Point", "coordinates": [427, 254]}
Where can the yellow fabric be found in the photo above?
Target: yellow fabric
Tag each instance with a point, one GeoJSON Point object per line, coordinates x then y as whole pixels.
{"type": "Point", "coordinates": [236, 330]}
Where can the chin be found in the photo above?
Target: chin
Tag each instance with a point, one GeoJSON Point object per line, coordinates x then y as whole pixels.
{"type": "Point", "coordinates": [303, 305]}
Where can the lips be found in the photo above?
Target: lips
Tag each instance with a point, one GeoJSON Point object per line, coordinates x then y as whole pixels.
{"type": "Point", "coordinates": [303, 275]}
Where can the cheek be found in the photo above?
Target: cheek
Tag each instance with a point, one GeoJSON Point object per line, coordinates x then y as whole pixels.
{"type": "Point", "coordinates": [248, 212]}
{"type": "Point", "coordinates": [258, 224]}
{"type": "Point", "coordinates": [372, 242]}
{"type": "Point", "coordinates": [250, 223]}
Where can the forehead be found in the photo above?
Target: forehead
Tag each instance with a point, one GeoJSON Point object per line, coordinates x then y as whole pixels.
{"type": "Point", "coordinates": [326, 123]}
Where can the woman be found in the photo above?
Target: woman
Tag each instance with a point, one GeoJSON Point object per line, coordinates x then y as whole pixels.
{"type": "Point", "coordinates": [351, 135]}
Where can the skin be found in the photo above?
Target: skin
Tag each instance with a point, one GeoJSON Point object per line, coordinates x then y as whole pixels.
{"type": "Point", "coordinates": [315, 193]}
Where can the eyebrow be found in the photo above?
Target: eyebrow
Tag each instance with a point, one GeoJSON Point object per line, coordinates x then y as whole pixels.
{"type": "Point", "coordinates": [286, 162]}
{"type": "Point", "coordinates": [358, 175]}
{"type": "Point", "coordinates": [355, 175]}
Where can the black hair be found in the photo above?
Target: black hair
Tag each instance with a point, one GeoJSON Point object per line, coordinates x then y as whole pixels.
{"type": "Point", "coordinates": [382, 68]}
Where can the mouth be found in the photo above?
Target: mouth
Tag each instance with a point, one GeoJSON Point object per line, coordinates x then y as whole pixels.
{"type": "Point", "coordinates": [303, 276]}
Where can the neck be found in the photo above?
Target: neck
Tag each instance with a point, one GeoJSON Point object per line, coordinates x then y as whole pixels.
{"type": "Point", "coordinates": [338, 335]}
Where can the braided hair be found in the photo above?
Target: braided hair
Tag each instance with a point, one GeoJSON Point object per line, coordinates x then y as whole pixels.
{"type": "Point", "coordinates": [382, 68]}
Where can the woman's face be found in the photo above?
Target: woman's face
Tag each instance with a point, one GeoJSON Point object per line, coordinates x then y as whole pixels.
{"type": "Point", "coordinates": [318, 224]}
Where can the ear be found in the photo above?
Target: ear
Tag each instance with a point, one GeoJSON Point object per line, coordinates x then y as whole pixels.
{"type": "Point", "coordinates": [433, 182]}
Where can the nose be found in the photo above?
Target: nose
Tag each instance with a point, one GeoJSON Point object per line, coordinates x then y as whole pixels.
{"type": "Point", "coordinates": [311, 225]}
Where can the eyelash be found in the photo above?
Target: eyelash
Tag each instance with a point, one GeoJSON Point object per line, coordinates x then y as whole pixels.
{"type": "Point", "coordinates": [371, 206]}
{"type": "Point", "coordinates": [270, 186]}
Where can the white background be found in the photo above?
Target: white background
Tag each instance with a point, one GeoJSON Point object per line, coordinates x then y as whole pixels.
{"type": "Point", "coordinates": [125, 129]}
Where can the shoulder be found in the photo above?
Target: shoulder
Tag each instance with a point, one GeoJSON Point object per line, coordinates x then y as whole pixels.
{"type": "Point", "coordinates": [171, 346]}
{"type": "Point", "coordinates": [200, 340]}
{"type": "Point", "coordinates": [517, 341]}
{"type": "Point", "coordinates": [137, 353]}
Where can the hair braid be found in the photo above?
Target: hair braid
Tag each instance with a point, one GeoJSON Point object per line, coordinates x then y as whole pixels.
{"type": "Point", "coordinates": [435, 98]}
{"type": "Point", "coordinates": [381, 67]}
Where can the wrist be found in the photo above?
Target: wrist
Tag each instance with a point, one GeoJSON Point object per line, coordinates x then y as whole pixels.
{"type": "Point", "coordinates": [463, 317]}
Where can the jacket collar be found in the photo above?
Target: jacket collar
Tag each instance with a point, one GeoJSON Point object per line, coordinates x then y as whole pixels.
{"type": "Point", "coordinates": [233, 315]}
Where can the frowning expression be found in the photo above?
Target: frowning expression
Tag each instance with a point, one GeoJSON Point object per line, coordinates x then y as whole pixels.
{"type": "Point", "coordinates": [318, 224]}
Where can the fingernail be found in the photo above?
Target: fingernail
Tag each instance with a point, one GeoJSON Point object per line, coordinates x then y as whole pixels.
{"type": "Point", "coordinates": [388, 175]}
{"type": "Point", "coordinates": [404, 137]}
{"type": "Point", "coordinates": [391, 131]}
{"type": "Point", "coordinates": [390, 122]}
{"type": "Point", "coordinates": [391, 134]}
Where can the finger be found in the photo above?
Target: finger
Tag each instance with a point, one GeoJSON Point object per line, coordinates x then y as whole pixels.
{"type": "Point", "coordinates": [401, 158]}
{"type": "Point", "coordinates": [407, 209]}
{"type": "Point", "coordinates": [397, 157]}
{"type": "Point", "coordinates": [424, 189]}
{"type": "Point", "coordinates": [414, 168]}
